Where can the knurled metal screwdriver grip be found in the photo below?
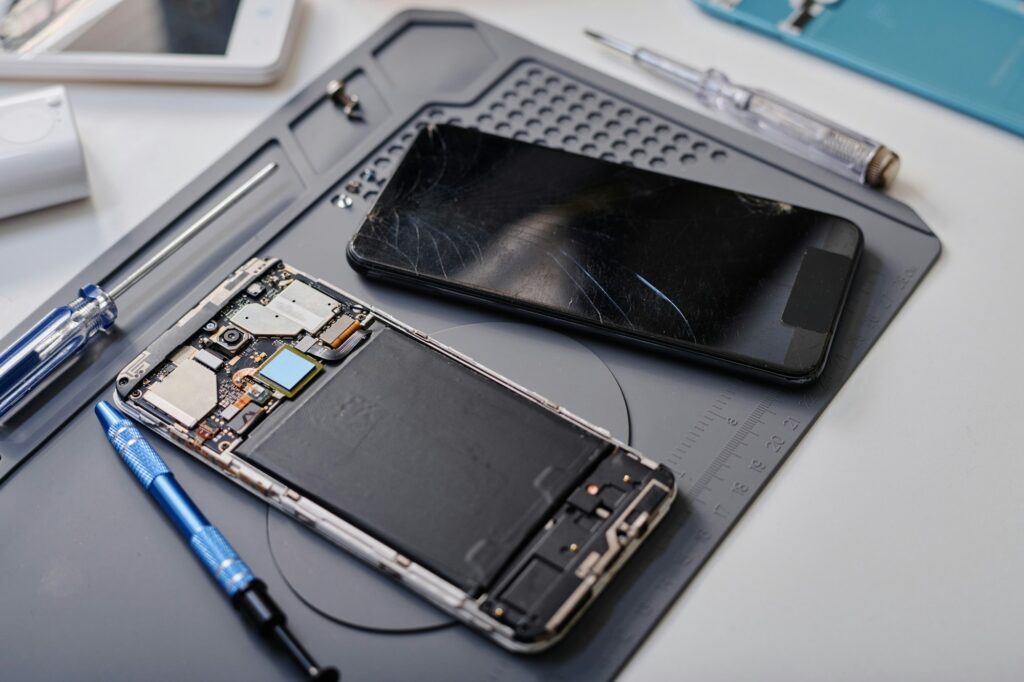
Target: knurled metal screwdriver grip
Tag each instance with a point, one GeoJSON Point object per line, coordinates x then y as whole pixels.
{"type": "Point", "coordinates": [235, 579]}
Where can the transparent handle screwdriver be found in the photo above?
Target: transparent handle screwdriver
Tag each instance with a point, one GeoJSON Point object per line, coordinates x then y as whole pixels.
{"type": "Point", "coordinates": [35, 358]}
{"type": "Point", "coordinates": [814, 137]}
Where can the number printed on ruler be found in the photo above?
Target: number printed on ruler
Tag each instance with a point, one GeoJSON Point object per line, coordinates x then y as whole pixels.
{"type": "Point", "coordinates": [731, 450]}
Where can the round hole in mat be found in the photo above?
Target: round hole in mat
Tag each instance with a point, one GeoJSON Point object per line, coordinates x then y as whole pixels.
{"type": "Point", "coordinates": [352, 593]}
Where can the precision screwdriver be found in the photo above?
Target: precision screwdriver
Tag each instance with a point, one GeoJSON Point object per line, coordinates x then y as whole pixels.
{"type": "Point", "coordinates": [814, 137]}
{"type": "Point", "coordinates": [64, 333]}
{"type": "Point", "coordinates": [233, 576]}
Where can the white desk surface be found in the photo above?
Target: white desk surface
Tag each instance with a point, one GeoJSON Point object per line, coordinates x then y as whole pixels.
{"type": "Point", "coordinates": [891, 544]}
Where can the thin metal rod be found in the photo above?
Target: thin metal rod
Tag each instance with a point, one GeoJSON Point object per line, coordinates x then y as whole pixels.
{"type": "Point", "coordinates": [193, 229]}
{"type": "Point", "coordinates": [614, 43]}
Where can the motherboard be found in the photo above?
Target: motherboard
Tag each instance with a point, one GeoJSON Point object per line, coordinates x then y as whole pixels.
{"type": "Point", "coordinates": [267, 345]}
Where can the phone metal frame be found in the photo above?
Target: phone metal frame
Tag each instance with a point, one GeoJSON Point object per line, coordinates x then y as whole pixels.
{"type": "Point", "coordinates": [443, 594]}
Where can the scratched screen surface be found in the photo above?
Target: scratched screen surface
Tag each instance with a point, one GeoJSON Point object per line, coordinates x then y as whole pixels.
{"type": "Point", "coordinates": [665, 260]}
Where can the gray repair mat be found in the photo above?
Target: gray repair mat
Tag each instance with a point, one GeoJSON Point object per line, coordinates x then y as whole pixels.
{"type": "Point", "coordinates": [94, 582]}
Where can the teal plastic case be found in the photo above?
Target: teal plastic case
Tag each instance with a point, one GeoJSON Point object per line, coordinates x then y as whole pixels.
{"type": "Point", "coordinates": [965, 54]}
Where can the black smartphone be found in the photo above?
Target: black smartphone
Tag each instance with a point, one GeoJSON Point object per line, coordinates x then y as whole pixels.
{"type": "Point", "coordinates": [739, 280]}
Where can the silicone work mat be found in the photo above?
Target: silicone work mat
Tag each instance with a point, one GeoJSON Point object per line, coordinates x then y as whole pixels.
{"type": "Point", "coordinates": [92, 549]}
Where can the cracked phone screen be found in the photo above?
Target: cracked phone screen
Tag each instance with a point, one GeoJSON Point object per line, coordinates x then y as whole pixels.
{"type": "Point", "coordinates": [664, 261]}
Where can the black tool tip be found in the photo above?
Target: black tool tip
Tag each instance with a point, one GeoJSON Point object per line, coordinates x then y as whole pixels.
{"type": "Point", "coordinates": [325, 674]}
{"type": "Point", "coordinates": [313, 670]}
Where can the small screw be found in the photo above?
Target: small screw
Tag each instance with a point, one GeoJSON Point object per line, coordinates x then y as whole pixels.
{"type": "Point", "coordinates": [626, 479]}
{"type": "Point", "coordinates": [593, 489]}
{"type": "Point", "coordinates": [499, 612]}
{"type": "Point", "coordinates": [574, 548]}
{"type": "Point", "coordinates": [343, 201]}
{"type": "Point", "coordinates": [348, 102]}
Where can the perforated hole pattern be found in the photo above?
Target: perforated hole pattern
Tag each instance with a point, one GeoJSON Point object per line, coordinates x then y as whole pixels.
{"type": "Point", "coordinates": [536, 104]}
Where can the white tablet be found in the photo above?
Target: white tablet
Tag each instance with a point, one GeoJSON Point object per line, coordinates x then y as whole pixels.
{"type": "Point", "coordinates": [219, 41]}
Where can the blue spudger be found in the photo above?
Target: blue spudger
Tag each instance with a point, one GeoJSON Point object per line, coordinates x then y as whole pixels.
{"type": "Point", "coordinates": [246, 592]}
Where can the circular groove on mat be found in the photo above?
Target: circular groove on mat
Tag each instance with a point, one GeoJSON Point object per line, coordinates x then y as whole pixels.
{"type": "Point", "coordinates": [351, 593]}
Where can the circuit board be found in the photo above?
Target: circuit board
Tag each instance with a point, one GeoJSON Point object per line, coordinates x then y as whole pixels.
{"type": "Point", "coordinates": [264, 347]}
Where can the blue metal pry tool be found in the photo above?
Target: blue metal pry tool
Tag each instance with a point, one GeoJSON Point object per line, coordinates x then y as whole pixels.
{"type": "Point", "coordinates": [246, 592]}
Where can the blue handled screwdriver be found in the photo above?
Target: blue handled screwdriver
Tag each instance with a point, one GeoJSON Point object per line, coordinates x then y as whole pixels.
{"type": "Point", "coordinates": [35, 358]}
{"type": "Point", "coordinates": [246, 592]}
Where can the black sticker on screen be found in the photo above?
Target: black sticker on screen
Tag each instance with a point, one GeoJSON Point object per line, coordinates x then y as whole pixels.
{"type": "Point", "coordinates": [818, 291]}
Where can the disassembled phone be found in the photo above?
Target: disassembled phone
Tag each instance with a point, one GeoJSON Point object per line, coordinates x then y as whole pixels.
{"type": "Point", "coordinates": [500, 507]}
{"type": "Point", "coordinates": [741, 281]}
{"type": "Point", "coordinates": [213, 41]}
